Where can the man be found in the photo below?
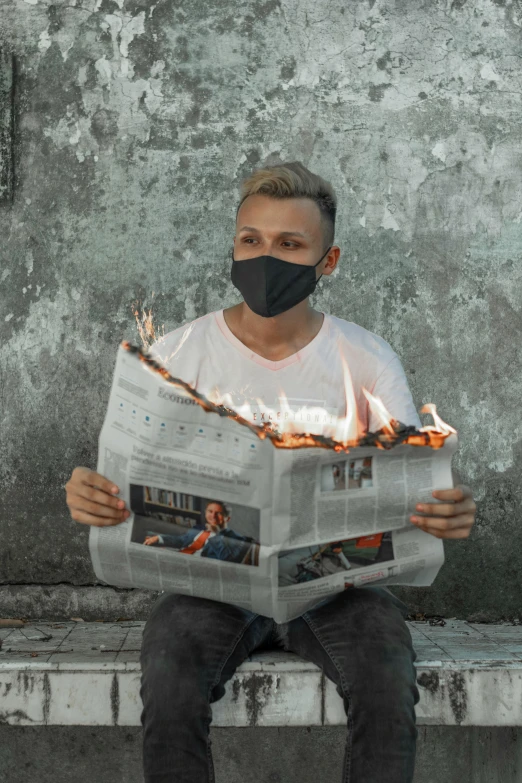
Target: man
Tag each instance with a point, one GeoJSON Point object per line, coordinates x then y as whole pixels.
{"type": "Point", "coordinates": [272, 341]}
{"type": "Point", "coordinates": [329, 559]}
{"type": "Point", "coordinates": [215, 541]}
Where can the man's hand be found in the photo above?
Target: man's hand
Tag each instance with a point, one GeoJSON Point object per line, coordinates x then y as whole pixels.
{"type": "Point", "coordinates": [453, 518]}
{"type": "Point", "coordinates": [91, 501]}
{"type": "Point", "coordinates": [151, 540]}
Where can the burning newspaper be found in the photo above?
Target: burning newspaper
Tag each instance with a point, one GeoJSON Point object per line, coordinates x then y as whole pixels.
{"type": "Point", "coordinates": [271, 521]}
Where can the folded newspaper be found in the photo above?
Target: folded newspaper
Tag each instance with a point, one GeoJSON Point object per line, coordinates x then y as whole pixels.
{"type": "Point", "coordinates": [219, 510]}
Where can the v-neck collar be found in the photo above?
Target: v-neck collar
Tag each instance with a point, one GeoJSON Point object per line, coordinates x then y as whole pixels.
{"type": "Point", "coordinates": [268, 363]}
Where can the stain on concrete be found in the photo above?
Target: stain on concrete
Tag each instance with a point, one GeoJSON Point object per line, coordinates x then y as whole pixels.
{"type": "Point", "coordinates": [115, 699]}
{"type": "Point", "coordinates": [47, 697]}
{"type": "Point", "coordinates": [288, 69]}
{"type": "Point", "coordinates": [25, 681]}
{"type": "Point", "coordinates": [376, 91]}
{"type": "Point", "coordinates": [13, 717]}
{"type": "Point", "coordinates": [7, 115]}
{"type": "Point", "coordinates": [257, 689]}
{"type": "Point", "coordinates": [458, 696]}
{"type": "Point", "coordinates": [236, 690]}
{"type": "Point", "coordinates": [429, 681]}
{"type": "Point", "coordinates": [249, 686]}
{"type": "Point", "coordinates": [104, 127]}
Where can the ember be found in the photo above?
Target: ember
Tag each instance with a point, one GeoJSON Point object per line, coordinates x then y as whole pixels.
{"type": "Point", "coordinates": [392, 432]}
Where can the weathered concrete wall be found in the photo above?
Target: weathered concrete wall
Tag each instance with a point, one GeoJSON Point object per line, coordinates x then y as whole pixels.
{"type": "Point", "coordinates": [133, 126]}
{"type": "Point", "coordinates": [445, 754]}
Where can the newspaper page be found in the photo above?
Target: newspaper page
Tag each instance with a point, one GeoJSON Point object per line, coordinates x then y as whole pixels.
{"type": "Point", "coordinates": [341, 520]}
{"type": "Point", "coordinates": [220, 513]}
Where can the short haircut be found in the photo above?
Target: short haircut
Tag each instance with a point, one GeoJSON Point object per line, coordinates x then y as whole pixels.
{"type": "Point", "coordinates": [294, 180]}
{"type": "Point", "coordinates": [226, 510]}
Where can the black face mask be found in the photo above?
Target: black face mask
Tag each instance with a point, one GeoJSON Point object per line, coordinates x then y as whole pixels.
{"type": "Point", "coordinates": [271, 286]}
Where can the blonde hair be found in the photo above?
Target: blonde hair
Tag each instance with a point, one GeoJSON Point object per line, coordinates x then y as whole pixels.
{"type": "Point", "coordinates": [293, 180]}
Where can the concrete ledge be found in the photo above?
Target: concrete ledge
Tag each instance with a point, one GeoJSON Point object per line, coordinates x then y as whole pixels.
{"type": "Point", "coordinates": [88, 674]}
{"type": "Point", "coordinates": [97, 603]}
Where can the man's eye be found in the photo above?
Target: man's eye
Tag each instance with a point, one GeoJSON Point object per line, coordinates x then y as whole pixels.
{"type": "Point", "coordinates": [293, 244]}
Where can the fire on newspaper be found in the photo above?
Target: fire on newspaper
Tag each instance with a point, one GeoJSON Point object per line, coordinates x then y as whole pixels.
{"type": "Point", "coordinates": [247, 513]}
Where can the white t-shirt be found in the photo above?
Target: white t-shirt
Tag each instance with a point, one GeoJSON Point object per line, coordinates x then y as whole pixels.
{"type": "Point", "coordinates": [207, 355]}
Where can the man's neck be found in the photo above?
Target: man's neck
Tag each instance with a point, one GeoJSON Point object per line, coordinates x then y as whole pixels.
{"type": "Point", "coordinates": [274, 338]}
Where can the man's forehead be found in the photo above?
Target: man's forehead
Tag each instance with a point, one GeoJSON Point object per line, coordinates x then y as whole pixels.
{"type": "Point", "coordinates": [295, 216]}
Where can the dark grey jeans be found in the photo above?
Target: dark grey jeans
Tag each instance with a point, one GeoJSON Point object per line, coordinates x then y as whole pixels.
{"type": "Point", "coordinates": [192, 646]}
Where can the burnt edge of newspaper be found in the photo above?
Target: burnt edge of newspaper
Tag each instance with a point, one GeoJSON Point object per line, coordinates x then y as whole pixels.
{"type": "Point", "coordinates": [403, 433]}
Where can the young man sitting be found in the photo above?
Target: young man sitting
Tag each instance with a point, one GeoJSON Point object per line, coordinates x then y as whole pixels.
{"type": "Point", "coordinates": [274, 341]}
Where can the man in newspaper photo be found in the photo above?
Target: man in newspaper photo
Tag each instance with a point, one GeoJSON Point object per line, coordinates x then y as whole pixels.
{"type": "Point", "coordinates": [216, 540]}
{"type": "Point", "coordinates": [274, 342]}
{"type": "Point", "coordinates": [313, 562]}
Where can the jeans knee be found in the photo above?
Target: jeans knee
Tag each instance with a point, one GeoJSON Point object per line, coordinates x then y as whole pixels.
{"type": "Point", "coordinates": [397, 692]}
{"type": "Point", "coordinates": [386, 679]}
{"type": "Point", "coordinates": [171, 692]}
{"type": "Point", "coordinates": [171, 669]}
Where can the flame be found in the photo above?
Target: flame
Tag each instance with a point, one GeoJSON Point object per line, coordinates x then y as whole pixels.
{"type": "Point", "coordinates": [391, 433]}
{"type": "Point", "coordinates": [346, 427]}
{"type": "Point", "coordinates": [266, 412]}
{"type": "Point", "coordinates": [379, 410]}
{"type": "Point", "coordinates": [285, 407]}
{"type": "Point", "coordinates": [288, 422]}
{"type": "Point", "coordinates": [146, 328]}
{"type": "Point", "coordinates": [303, 421]}
{"type": "Point", "coordinates": [440, 426]}
{"type": "Point", "coordinates": [214, 395]}
{"type": "Point", "coordinates": [227, 400]}
{"type": "Point", "coordinates": [243, 411]}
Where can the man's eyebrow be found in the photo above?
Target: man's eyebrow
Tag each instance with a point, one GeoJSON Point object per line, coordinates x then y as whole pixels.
{"type": "Point", "coordinates": [281, 234]}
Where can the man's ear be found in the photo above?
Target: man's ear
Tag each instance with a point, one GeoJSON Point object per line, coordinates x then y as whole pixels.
{"type": "Point", "coordinates": [332, 259]}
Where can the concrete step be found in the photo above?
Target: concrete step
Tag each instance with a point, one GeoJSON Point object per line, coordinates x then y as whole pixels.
{"type": "Point", "coordinates": [88, 674]}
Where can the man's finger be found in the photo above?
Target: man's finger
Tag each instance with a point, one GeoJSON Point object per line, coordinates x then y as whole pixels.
{"type": "Point", "coordinates": [90, 519]}
{"type": "Point", "coordinates": [96, 509]}
{"type": "Point", "coordinates": [98, 497]}
{"type": "Point", "coordinates": [464, 521]}
{"type": "Point", "coordinates": [455, 493]}
{"type": "Point", "coordinates": [444, 509]}
{"type": "Point", "coordinates": [458, 533]}
{"type": "Point", "coordinates": [93, 479]}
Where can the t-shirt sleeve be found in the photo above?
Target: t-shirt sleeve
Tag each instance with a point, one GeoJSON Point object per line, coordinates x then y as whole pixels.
{"type": "Point", "coordinates": [392, 388]}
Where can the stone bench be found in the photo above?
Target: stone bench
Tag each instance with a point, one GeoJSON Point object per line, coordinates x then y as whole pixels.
{"type": "Point", "coordinates": [88, 674]}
